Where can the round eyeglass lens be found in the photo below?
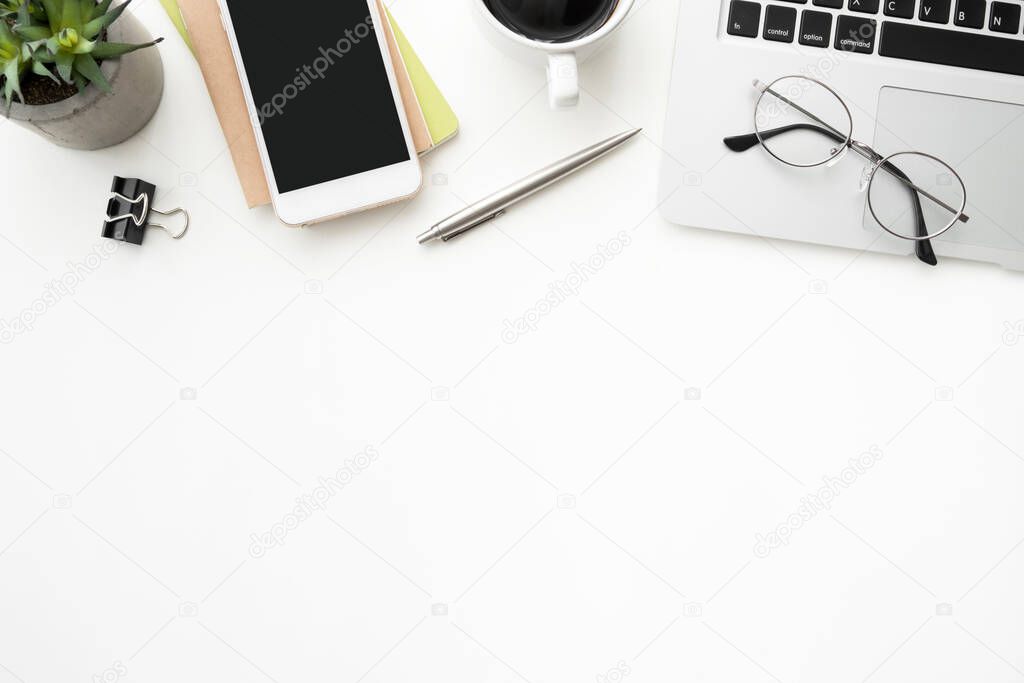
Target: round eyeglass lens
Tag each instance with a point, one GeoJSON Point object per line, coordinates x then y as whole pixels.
{"type": "Point", "coordinates": [801, 122]}
{"type": "Point", "coordinates": [932, 206]}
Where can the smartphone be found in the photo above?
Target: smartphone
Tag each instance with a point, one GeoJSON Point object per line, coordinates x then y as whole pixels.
{"type": "Point", "coordinates": [325, 106]}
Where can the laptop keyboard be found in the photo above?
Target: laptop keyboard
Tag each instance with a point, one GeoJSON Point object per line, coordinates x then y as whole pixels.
{"type": "Point", "coordinates": [974, 34]}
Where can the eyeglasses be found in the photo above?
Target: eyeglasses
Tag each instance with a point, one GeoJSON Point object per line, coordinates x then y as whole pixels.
{"type": "Point", "coordinates": [917, 196]}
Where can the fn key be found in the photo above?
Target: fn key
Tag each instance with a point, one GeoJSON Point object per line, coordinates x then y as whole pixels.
{"type": "Point", "coordinates": [744, 18]}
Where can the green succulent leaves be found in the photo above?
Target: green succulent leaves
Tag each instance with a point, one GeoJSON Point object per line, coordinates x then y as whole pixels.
{"type": "Point", "coordinates": [15, 59]}
{"type": "Point", "coordinates": [10, 8]}
{"type": "Point", "coordinates": [66, 35]}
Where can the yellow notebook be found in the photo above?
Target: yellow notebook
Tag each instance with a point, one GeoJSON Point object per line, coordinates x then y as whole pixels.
{"type": "Point", "coordinates": [441, 119]}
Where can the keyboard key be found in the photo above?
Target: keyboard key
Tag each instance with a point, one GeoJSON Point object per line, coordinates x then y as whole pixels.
{"type": "Point", "coordinates": [815, 28]}
{"type": "Point", "coordinates": [953, 48]}
{"type": "Point", "coordinates": [936, 11]}
{"type": "Point", "coordinates": [970, 13]}
{"type": "Point", "coordinates": [904, 9]}
{"type": "Point", "coordinates": [779, 23]}
{"type": "Point", "coordinates": [1005, 17]}
{"type": "Point", "coordinates": [855, 34]}
{"type": "Point", "coordinates": [834, 4]}
{"type": "Point", "coordinates": [744, 18]}
{"type": "Point", "coordinates": [865, 6]}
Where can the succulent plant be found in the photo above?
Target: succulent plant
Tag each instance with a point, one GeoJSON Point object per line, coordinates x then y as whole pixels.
{"type": "Point", "coordinates": [65, 34]}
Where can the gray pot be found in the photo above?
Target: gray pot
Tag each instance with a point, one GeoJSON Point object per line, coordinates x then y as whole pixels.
{"type": "Point", "coordinates": [93, 119]}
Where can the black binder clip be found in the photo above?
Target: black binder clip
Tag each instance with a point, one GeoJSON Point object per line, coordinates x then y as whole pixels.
{"type": "Point", "coordinates": [129, 209]}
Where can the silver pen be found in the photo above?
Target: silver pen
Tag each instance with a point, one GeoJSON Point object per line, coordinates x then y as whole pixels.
{"type": "Point", "coordinates": [493, 206]}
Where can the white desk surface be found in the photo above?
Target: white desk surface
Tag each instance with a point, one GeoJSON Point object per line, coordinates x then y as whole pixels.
{"type": "Point", "coordinates": [579, 503]}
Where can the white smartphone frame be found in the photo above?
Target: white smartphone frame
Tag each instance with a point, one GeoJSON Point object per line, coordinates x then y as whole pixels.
{"type": "Point", "coordinates": [350, 194]}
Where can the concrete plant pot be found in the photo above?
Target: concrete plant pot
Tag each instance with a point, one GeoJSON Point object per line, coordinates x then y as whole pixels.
{"type": "Point", "coordinates": [94, 119]}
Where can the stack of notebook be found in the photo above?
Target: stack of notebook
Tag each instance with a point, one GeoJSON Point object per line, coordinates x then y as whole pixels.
{"type": "Point", "coordinates": [431, 118]}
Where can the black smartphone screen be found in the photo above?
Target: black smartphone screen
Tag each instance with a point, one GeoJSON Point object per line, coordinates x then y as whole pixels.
{"type": "Point", "coordinates": [320, 87]}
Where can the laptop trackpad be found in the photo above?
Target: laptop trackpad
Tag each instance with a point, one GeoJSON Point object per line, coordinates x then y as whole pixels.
{"type": "Point", "coordinates": [982, 140]}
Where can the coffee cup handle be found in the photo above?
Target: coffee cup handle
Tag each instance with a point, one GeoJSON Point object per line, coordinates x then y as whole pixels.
{"type": "Point", "coordinates": [563, 80]}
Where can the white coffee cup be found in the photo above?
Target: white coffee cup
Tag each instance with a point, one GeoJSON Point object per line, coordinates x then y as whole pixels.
{"type": "Point", "coordinates": [561, 58]}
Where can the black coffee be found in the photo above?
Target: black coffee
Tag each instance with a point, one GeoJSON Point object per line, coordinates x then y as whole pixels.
{"type": "Point", "coordinates": [552, 21]}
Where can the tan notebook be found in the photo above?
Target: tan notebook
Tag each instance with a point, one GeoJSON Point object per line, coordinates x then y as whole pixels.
{"type": "Point", "coordinates": [213, 52]}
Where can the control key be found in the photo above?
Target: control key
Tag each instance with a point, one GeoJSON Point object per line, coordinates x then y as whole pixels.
{"type": "Point", "coordinates": [779, 23]}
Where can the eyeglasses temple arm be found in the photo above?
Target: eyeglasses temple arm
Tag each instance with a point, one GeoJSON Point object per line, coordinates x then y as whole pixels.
{"type": "Point", "coordinates": [741, 143]}
{"type": "Point", "coordinates": [922, 248]}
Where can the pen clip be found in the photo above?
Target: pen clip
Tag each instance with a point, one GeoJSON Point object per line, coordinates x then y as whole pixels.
{"type": "Point", "coordinates": [469, 227]}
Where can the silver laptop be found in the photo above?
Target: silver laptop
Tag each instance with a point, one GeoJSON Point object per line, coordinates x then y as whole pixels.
{"type": "Point", "coordinates": [937, 83]}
